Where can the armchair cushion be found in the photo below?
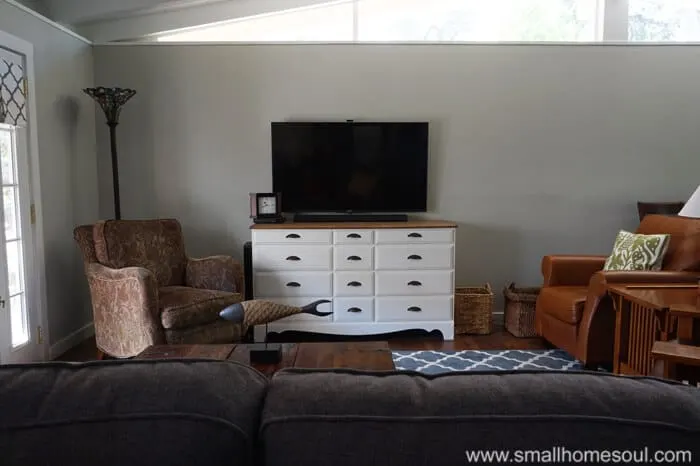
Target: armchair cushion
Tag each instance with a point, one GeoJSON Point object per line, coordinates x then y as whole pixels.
{"type": "Point", "coordinates": [221, 331]}
{"type": "Point", "coordinates": [565, 303]}
{"type": "Point", "coordinates": [156, 245]}
{"type": "Point", "coordinates": [182, 306]}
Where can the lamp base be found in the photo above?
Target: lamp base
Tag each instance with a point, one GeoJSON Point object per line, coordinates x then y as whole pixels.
{"type": "Point", "coordinates": [265, 353]}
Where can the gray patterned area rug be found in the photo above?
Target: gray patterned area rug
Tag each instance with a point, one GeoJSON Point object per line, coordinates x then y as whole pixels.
{"type": "Point", "coordinates": [437, 362]}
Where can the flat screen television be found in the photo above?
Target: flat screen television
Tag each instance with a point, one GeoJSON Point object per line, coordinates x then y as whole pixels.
{"type": "Point", "coordinates": [350, 166]}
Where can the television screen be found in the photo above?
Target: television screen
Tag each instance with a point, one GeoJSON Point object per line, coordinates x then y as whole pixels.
{"type": "Point", "coordinates": [351, 166]}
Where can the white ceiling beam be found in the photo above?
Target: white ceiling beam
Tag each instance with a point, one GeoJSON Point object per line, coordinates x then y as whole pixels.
{"type": "Point", "coordinates": [185, 17]}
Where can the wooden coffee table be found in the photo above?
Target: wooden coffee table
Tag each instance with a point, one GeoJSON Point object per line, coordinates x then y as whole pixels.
{"type": "Point", "coordinates": [372, 355]}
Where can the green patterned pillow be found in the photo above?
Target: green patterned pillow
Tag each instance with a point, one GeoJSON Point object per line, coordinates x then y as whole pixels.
{"type": "Point", "coordinates": [637, 252]}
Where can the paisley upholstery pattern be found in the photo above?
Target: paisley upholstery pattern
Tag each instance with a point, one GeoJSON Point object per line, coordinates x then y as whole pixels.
{"type": "Point", "coordinates": [83, 236]}
{"type": "Point", "coordinates": [182, 306]}
{"type": "Point", "coordinates": [125, 309]}
{"type": "Point", "coordinates": [220, 331]}
{"type": "Point", "coordinates": [156, 245]}
{"type": "Point", "coordinates": [137, 271]}
{"type": "Point", "coordinates": [215, 273]}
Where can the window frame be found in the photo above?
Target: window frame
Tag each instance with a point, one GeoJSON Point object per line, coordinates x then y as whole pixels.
{"type": "Point", "coordinates": [611, 27]}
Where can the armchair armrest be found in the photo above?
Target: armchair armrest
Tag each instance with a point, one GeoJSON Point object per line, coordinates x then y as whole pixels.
{"type": "Point", "coordinates": [222, 273]}
{"type": "Point", "coordinates": [560, 270]}
{"type": "Point", "coordinates": [125, 309]}
{"type": "Point", "coordinates": [601, 279]}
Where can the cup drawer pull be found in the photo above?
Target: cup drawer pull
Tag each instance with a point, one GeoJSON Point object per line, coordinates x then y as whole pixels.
{"type": "Point", "coordinates": [414, 257]}
{"type": "Point", "coordinates": [415, 235]}
{"type": "Point", "coordinates": [414, 309]}
{"type": "Point", "coordinates": [355, 309]}
{"type": "Point", "coordinates": [354, 284]}
{"type": "Point", "coordinates": [293, 236]}
{"type": "Point", "coordinates": [414, 283]}
{"type": "Point", "coordinates": [294, 285]}
{"type": "Point", "coordinates": [353, 235]}
{"type": "Point", "coordinates": [354, 258]}
{"type": "Point", "coordinates": [293, 258]}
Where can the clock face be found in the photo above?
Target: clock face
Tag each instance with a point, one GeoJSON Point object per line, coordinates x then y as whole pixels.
{"type": "Point", "coordinates": [267, 205]}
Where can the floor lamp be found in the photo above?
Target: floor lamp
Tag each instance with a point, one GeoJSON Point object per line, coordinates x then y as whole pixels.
{"type": "Point", "coordinates": [111, 100]}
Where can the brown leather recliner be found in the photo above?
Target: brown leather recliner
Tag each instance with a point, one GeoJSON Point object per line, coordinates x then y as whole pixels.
{"type": "Point", "coordinates": [574, 311]}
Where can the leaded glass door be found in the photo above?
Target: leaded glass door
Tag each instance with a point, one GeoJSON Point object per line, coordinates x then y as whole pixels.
{"type": "Point", "coordinates": [19, 321]}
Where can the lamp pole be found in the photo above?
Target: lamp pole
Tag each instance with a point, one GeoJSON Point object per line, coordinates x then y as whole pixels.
{"type": "Point", "coordinates": [111, 100]}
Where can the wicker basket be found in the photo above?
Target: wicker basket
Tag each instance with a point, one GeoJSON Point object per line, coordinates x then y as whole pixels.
{"type": "Point", "coordinates": [473, 310]}
{"type": "Point", "coordinates": [519, 315]}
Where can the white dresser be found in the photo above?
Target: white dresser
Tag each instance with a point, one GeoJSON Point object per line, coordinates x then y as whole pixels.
{"type": "Point", "coordinates": [379, 277]}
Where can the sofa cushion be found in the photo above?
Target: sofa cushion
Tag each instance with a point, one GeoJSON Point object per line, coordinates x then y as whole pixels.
{"type": "Point", "coordinates": [156, 245]}
{"type": "Point", "coordinates": [637, 252]}
{"type": "Point", "coordinates": [343, 417]}
{"type": "Point", "coordinates": [182, 306]}
{"type": "Point", "coordinates": [129, 413]}
{"type": "Point", "coordinates": [683, 253]}
{"type": "Point", "coordinates": [565, 303]}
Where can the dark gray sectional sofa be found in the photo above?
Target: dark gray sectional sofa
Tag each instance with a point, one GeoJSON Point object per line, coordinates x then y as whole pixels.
{"type": "Point", "coordinates": [195, 412]}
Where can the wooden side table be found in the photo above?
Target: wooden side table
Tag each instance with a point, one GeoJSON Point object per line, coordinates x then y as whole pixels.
{"type": "Point", "coordinates": [642, 318]}
{"type": "Point", "coordinates": [680, 359]}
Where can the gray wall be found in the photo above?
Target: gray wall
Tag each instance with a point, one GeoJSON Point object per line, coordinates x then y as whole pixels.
{"type": "Point", "coordinates": [534, 149]}
{"type": "Point", "coordinates": [66, 128]}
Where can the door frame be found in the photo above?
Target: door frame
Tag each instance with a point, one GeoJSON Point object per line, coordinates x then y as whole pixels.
{"type": "Point", "coordinates": [38, 279]}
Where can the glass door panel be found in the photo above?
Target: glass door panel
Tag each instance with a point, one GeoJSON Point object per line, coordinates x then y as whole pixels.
{"type": "Point", "coordinates": [13, 298]}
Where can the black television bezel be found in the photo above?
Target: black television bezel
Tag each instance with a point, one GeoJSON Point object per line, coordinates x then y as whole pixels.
{"type": "Point", "coordinates": [359, 123]}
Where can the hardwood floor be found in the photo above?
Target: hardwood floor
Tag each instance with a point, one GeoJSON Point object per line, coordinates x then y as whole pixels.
{"type": "Point", "coordinates": [498, 339]}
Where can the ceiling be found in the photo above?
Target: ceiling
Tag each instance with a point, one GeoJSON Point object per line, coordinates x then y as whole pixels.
{"type": "Point", "coordinates": [119, 20]}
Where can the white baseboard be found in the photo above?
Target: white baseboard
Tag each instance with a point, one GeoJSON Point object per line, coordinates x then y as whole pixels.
{"type": "Point", "coordinates": [71, 340]}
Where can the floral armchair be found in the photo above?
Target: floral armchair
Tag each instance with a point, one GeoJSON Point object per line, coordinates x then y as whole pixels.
{"type": "Point", "coordinates": [146, 291]}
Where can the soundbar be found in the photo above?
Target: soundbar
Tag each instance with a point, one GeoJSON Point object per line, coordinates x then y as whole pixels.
{"type": "Point", "coordinates": [318, 218]}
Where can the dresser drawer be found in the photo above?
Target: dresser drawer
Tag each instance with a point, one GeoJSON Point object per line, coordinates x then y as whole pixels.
{"type": "Point", "coordinates": [415, 283]}
{"type": "Point", "coordinates": [353, 237]}
{"type": "Point", "coordinates": [423, 308]}
{"type": "Point", "coordinates": [292, 257]}
{"type": "Point", "coordinates": [353, 309]}
{"type": "Point", "coordinates": [353, 284]}
{"type": "Point", "coordinates": [291, 284]}
{"type": "Point", "coordinates": [429, 235]}
{"type": "Point", "coordinates": [299, 302]}
{"type": "Point", "coordinates": [292, 236]}
{"type": "Point", "coordinates": [349, 257]}
{"type": "Point", "coordinates": [414, 256]}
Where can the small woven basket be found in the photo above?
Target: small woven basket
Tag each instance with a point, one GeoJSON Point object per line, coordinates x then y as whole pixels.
{"type": "Point", "coordinates": [473, 310]}
{"type": "Point", "coordinates": [519, 315]}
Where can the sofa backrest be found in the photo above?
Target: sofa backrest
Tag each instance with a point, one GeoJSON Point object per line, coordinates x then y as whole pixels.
{"type": "Point", "coordinates": [186, 412]}
{"type": "Point", "coordinates": [117, 413]}
{"type": "Point", "coordinates": [157, 245]}
{"type": "Point", "coordinates": [349, 418]}
{"type": "Point", "coordinates": [683, 254]}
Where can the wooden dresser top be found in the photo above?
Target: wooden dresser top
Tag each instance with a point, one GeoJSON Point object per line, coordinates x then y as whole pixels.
{"type": "Point", "coordinates": [353, 225]}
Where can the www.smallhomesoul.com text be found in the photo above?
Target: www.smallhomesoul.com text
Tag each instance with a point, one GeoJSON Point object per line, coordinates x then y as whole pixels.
{"type": "Point", "coordinates": [563, 455]}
